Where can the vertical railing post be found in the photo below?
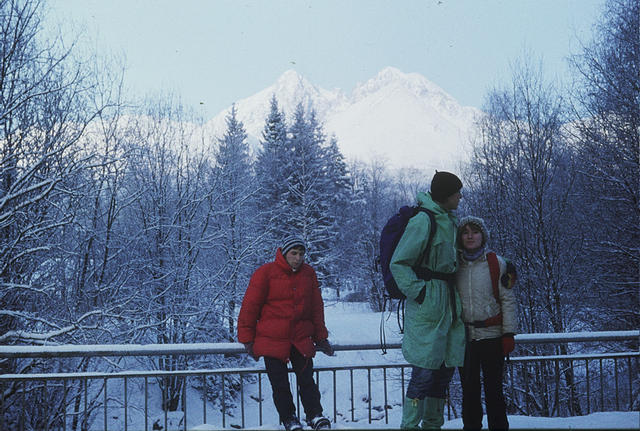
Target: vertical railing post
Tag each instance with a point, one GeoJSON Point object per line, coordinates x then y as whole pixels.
{"type": "Point", "coordinates": [402, 385]}
{"type": "Point", "coordinates": [630, 384]}
{"type": "Point", "coordinates": [241, 399]}
{"type": "Point", "coordinates": [558, 380]}
{"type": "Point", "coordinates": [2, 405]}
{"type": "Point", "coordinates": [352, 401]}
{"type": "Point", "coordinates": [525, 372]}
{"type": "Point", "coordinates": [335, 403]}
{"type": "Point", "coordinates": [126, 413]}
{"type": "Point", "coordinates": [46, 407]}
{"type": "Point", "coordinates": [601, 388]}
{"type": "Point", "coordinates": [204, 398]}
{"type": "Point", "coordinates": [2, 424]}
{"type": "Point", "coordinates": [586, 365]}
{"type": "Point", "coordinates": [64, 405]}
{"type": "Point", "coordinates": [386, 402]}
{"type": "Point", "coordinates": [260, 396]}
{"type": "Point", "coordinates": [615, 368]}
{"type": "Point", "coordinates": [164, 402]}
{"type": "Point", "coordinates": [105, 404]}
{"type": "Point", "coordinates": [22, 418]}
{"type": "Point", "coordinates": [146, 403]}
{"type": "Point", "coordinates": [572, 389]}
{"type": "Point", "coordinates": [184, 403]}
{"type": "Point", "coordinates": [85, 419]}
{"type": "Point", "coordinates": [224, 403]}
{"type": "Point", "coordinates": [369, 390]}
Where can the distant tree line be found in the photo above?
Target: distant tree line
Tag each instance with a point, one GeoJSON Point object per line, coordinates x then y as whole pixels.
{"type": "Point", "coordinates": [123, 224]}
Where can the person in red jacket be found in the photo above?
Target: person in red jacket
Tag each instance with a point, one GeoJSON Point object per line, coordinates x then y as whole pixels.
{"type": "Point", "coordinates": [282, 320]}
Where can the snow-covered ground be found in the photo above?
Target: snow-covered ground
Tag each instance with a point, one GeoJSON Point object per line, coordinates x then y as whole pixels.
{"type": "Point", "coordinates": [347, 323]}
{"type": "Point", "coordinates": [596, 421]}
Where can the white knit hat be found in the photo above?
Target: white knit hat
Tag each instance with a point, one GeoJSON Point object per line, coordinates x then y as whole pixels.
{"type": "Point", "coordinates": [477, 222]}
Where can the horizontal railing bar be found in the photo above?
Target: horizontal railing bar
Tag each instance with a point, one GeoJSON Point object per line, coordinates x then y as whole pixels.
{"type": "Point", "coordinates": [89, 350]}
{"type": "Point", "coordinates": [573, 337]}
{"type": "Point", "coordinates": [576, 356]}
{"type": "Point", "coordinates": [92, 350]}
{"type": "Point", "coordinates": [254, 370]}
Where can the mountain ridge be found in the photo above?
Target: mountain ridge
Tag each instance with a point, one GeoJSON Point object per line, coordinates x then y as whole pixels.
{"type": "Point", "coordinates": [402, 118]}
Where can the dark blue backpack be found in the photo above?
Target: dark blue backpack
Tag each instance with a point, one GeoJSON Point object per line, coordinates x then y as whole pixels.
{"type": "Point", "coordinates": [389, 238]}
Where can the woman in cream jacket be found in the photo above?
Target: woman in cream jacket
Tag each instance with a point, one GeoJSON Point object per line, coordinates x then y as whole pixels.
{"type": "Point", "coordinates": [491, 323]}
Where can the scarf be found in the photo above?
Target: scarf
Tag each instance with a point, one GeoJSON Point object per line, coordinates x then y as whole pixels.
{"type": "Point", "coordinates": [470, 256]}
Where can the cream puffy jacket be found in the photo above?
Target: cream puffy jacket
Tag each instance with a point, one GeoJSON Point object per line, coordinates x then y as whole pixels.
{"type": "Point", "coordinates": [473, 282]}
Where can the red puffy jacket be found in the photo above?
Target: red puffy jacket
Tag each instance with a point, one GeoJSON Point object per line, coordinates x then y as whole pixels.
{"type": "Point", "coordinates": [282, 308]}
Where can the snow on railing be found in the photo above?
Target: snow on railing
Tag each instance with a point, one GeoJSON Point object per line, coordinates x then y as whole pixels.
{"type": "Point", "coordinates": [92, 350]}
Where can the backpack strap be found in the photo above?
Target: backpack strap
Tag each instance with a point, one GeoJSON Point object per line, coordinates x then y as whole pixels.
{"type": "Point", "coordinates": [426, 273]}
{"type": "Point", "coordinates": [494, 270]}
{"type": "Point", "coordinates": [432, 232]}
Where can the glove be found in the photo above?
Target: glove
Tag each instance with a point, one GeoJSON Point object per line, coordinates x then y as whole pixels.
{"type": "Point", "coordinates": [508, 344]}
{"type": "Point", "coordinates": [249, 348]}
{"type": "Point", "coordinates": [509, 277]}
{"type": "Point", "coordinates": [325, 347]}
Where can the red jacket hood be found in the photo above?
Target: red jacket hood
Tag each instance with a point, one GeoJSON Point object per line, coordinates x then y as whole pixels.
{"type": "Point", "coordinates": [282, 262]}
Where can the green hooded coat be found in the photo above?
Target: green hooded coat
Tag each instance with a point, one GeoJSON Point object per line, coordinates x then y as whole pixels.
{"type": "Point", "coordinates": [433, 331]}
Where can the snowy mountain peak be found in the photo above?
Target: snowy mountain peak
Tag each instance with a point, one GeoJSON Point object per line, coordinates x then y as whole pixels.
{"type": "Point", "coordinates": [292, 88]}
{"type": "Point", "coordinates": [292, 79]}
{"type": "Point", "coordinates": [414, 83]}
{"type": "Point", "coordinates": [293, 83]}
{"type": "Point", "coordinates": [402, 117]}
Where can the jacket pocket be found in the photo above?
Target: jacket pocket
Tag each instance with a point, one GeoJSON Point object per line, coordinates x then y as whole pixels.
{"type": "Point", "coordinates": [443, 253]}
{"type": "Point", "coordinates": [433, 307]}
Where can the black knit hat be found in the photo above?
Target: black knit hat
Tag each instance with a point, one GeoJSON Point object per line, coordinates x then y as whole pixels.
{"type": "Point", "coordinates": [290, 242]}
{"type": "Point", "coordinates": [443, 185]}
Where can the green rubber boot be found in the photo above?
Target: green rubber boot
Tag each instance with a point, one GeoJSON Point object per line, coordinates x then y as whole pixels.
{"type": "Point", "coordinates": [412, 411]}
{"type": "Point", "coordinates": [433, 413]}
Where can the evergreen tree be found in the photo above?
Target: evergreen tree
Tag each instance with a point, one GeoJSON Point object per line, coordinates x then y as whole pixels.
{"type": "Point", "coordinates": [341, 240]}
{"type": "Point", "coordinates": [306, 198]}
{"type": "Point", "coordinates": [271, 178]}
{"type": "Point", "coordinates": [235, 222]}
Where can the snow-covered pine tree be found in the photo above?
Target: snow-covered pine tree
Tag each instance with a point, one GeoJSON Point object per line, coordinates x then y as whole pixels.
{"type": "Point", "coordinates": [306, 199]}
{"type": "Point", "coordinates": [271, 178]}
{"type": "Point", "coordinates": [304, 190]}
{"type": "Point", "coordinates": [341, 237]}
{"type": "Point", "coordinates": [235, 217]}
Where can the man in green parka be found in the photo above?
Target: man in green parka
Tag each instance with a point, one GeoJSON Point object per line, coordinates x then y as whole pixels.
{"type": "Point", "coordinates": [434, 338]}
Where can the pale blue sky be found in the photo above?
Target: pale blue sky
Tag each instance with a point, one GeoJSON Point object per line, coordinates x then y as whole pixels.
{"type": "Point", "coordinates": [214, 52]}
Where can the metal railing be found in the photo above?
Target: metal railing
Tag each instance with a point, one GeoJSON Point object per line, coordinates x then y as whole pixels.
{"type": "Point", "coordinates": [598, 382]}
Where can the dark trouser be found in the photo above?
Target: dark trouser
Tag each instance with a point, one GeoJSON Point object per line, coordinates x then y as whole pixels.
{"type": "Point", "coordinates": [429, 383]}
{"type": "Point", "coordinates": [485, 355]}
{"type": "Point", "coordinates": [279, 377]}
